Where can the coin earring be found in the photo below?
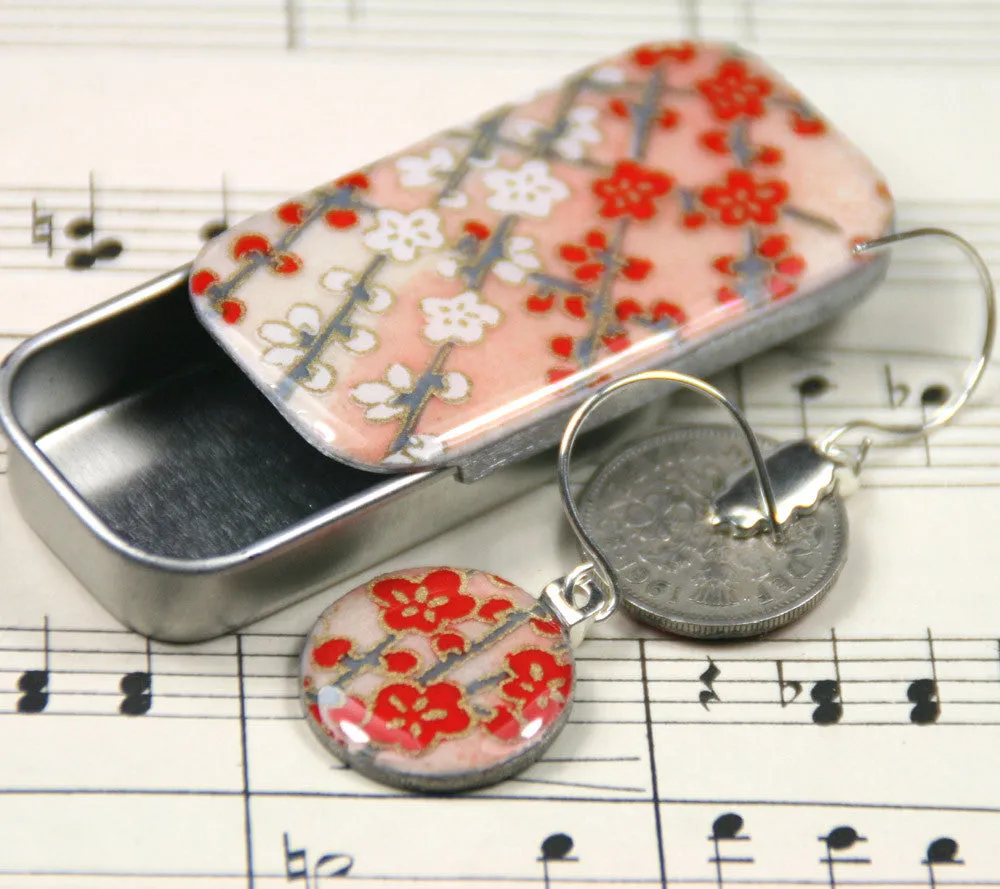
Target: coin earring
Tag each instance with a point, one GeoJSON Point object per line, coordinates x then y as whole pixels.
{"type": "Point", "coordinates": [698, 546]}
{"type": "Point", "coordinates": [447, 679]}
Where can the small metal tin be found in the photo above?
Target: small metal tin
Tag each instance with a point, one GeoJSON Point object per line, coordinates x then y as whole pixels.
{"type": "Point", "coordinates": [176, 493]}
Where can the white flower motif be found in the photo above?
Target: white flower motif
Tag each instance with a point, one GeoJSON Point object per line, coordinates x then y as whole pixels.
{"type": "Point", "coordinates": [420, 448]}
{"type": "Point", "coordinates": [290, 340]}
{"type": "Point", "coordinates": [461, 318]}
{"type": "Point", "coordinates": [403, 235]}
{"type": "Point", "coordinates": [381, 398]}
{"type": "Point", "coordinates": [530, 190]}
{"type": "Point", "coordinates": [457, 200]}
{"type": "Point", "coordinates": [580, 131]}
{"type": "Point", "coordinates": [607, 74]}
{"type": "Point", "coordinates": [417, 171]}
{"type": "Point", "coordinates": [519, 259]}
{"type": "Point", "coordinates": [340, 282]}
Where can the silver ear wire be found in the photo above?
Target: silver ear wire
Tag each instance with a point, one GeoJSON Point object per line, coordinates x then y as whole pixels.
{"type": "Point", "coordinates": [598, 565]}
{"type": "Point", "coordinates": [973, 374]}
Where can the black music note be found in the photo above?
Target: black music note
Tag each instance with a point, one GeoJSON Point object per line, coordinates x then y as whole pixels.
{"type": "Point", "coordinates": [41, 227]}
{"type": "Point", "coordinates": [943, 850]}
{"type": "Point", "coordinates": [85, 227]}
{"type": "Point", "coordinates": [555, 848]}
{"type": "Point", "coordinates": [810, 389]}
{"type": "Point", "coordinates": [34, 684]}
{"type": "Point", "coordinates": [932, 397]}
{"type": "Point", "coordinates": [840, 839]}
{"type": "Point", "coordinates": [787, 685]}
{"type": "Point", "coordinates": [709, 695]}
{"type": "Point", "coordinates": [215, 227]}
{"type": "Point", "coordinates": [827, 693]}
{"type": "Point", "coordinates": [329, 866]}
{"type": "Point", "coordinates": [923, 693]}
{"type": "Point", "coordinates": [137, 688]}
{"type": "Point", "coordinates": [726, 828]}
{"type": "Point", "coordinates": [897, 392]}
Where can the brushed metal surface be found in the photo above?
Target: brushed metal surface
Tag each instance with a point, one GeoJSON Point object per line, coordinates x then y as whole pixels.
{"type": "Point", "coordinates": [159, 474]}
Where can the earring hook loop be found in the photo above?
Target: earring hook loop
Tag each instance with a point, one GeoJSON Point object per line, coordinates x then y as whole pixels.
{"type": "Point", "coordinates": [599, 565]}
{"type": "Point", "coordinates": [973, 374]}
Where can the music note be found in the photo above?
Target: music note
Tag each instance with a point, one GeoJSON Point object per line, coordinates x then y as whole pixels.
{"type": "Point", "coordinates": [726, 828]}
{"type": "Point", "coordinates": [898, 392]}
{"type": "Point", "coordinates": [34, 684]}
{"type": "Point", "coordinates": [41, 227]}
{"type": "Point", "coordinates": [923, 693]}
{"type": "Point", "coordinates": [827, 693]}
{"type": "Point", "coordinates": [941, 851]}
{"type": "Point", "coordinates": [840, 839]}
{"type": "Point", "coordinates": [709, 695]}
{"type": "Point", "coordinates": [787, 685]}
{"type": "Point", "coordinates": [85, 227]}
{"type": "Point", "coordinates": [932, 397]}
{"type": "Point", "coordinates": [330, 866]}
{"type": "Point", "coordinates": [810, 389]}
{"type": "Point", "coordinates": [555, 847]}
{"type": "Point", "coordinates": [137, 688]}
{"type": "Point", "coordinates": [215, 227]}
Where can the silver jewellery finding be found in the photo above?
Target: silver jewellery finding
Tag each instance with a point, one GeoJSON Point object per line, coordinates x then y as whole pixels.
{"type": "Point", "coordinates": [692, 541]}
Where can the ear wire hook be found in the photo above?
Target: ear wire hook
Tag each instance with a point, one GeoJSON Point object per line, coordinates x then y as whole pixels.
{"type": "Point", "coordinates": [973, 374]}
{"type": "Point", "coordinates": [600, 570]}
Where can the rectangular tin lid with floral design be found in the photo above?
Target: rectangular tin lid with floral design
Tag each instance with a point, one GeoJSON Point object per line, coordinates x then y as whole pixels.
{"type": "Point", "coordinates": [461, 290]}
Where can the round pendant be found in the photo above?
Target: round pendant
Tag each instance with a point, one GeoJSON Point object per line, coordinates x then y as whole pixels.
{"type": "Point", "coordinates": [648, 510]}
{"type": "Point", "coordinates": [437, 679]}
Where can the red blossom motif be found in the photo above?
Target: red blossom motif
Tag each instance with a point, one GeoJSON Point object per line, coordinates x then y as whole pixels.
{"type": "Point", "coordinates": [345, 217]}
{"type": "Point", "coordinates": [447, 642]}
{"type": "Point", "coordinates": [251, 245]}
{"type": "Point", "coordinates": [328, 654]}
{"type": "Point", "coordinates": [230, 308]}
{"type": "Point", "coordinates": [734, 93]}
{"type": "Point", "coordinates": [806, 125]}
{"type": "Point", "coordinates": [591, 258]}
{"type": "Point", "coordinates": [627, 309]}
{"type": "Point", "coordinates": [650, 55]}
{"type": "Point", "coordinates": [667, 119]}
{"type": "Point", "coordinates": [546, 627]}
{"type": "Point", "coordinates": [413, 717]}
{"type": "Point", "coordinates": [426, 607]}
{"type": "Point", "coordinates": [540, 685]}
{"type": "Point", "coordinates": [631, 190]}
{"type": "Point", "coordinates": [504, 725]}
{"type": "Point", "coordinates": [779, 276]}
{"type": "Point", "coordinates": [480, 231]}
{"type": "Point", "coordinates": [402, 660]}
{"type": "Point", "coordinates": [557, 374]}
{"type": "Point", "coordinates": [717, 141]}
{"type": "Point", "coordinates": [744, 199]}
{"type": "Point", "coordinates": [493, 609]}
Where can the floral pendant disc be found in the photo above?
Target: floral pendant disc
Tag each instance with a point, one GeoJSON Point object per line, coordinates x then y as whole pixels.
{"type": "Point", "coordinates": [437, 679]}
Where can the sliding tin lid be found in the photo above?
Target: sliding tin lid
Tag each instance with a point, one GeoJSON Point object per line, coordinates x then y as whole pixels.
{"type": "Point", "coordinates": [456, 294]}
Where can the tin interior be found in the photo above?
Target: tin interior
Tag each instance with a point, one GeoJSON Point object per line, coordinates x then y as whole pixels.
{"type": "Point", "coordinates": [166, 440]}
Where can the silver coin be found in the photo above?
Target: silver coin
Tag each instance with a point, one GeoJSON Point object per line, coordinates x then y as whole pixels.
{"type": "Point", "coordinates": [647, 510]}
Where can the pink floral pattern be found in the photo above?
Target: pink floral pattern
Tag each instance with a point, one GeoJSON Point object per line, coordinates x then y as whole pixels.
{"type": "Point", "coordinates": [399, 315]}
{"type": "Point", "coordinates": [437, 676]}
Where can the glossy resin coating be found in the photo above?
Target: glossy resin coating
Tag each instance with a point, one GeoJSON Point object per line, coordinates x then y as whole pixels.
{"type": "Point", "coordinates": [437, 679]}
{"type": "Point", "coordinates": [446, 296]}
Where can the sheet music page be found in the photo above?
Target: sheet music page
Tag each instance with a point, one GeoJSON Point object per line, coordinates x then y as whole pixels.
{"type": "Point", "coordinates": [856, 747]}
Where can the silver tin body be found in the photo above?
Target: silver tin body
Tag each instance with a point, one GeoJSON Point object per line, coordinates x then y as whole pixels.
{"type": "Point", "coordinates": [181, 499]}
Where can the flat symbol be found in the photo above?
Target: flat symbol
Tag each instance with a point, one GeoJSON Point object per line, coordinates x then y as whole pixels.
{"type": "Point", "coordinates": [647, 510]}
